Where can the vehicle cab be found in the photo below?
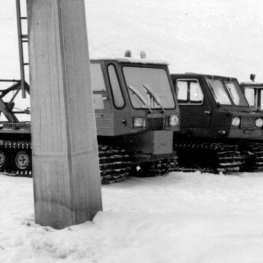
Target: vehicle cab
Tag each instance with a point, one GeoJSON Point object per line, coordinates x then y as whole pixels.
{"type": "Point", "coordinates": [215, 107]}
{"type": "Point", "coordinates": [135, 97]}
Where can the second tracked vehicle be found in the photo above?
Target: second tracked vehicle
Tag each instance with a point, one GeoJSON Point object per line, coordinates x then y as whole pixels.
{"type": "Point", "coordinates": [219, 131]}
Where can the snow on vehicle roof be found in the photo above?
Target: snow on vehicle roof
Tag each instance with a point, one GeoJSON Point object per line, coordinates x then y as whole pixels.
{"type": "Point", "coordinates": [203, 75]}
{"type": "Point", "coordinates": [254, 84]}
{"type": "Point", "coordinates": [134, 60]}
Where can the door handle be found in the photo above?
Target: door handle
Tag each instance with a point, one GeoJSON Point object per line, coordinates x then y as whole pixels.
{"type": "Point", "coordinates": [105, 98]}
{"type": "Point", "coordinates": [208, 112]}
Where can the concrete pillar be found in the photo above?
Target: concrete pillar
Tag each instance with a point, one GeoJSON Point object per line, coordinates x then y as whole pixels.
{"type": "Point", "coordinates": [66, 173]}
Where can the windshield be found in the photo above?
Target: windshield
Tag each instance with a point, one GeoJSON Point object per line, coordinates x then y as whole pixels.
{"type": "Point", "coordinates": [219, 92]}
{"type": "Point", "coordinates": [149, 87]}
{"type": "Point", "coordinates": [235, 93]}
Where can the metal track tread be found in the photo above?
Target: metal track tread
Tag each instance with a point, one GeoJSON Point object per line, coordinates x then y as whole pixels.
{"type": "Point", "coordinates": [209, 157]}
{"type": "Point", "coordinates": [256, 150]}
{"type": "Point", "coordinates": [157, 167]}
{"type": "Point", "coordinates": [115, 164]}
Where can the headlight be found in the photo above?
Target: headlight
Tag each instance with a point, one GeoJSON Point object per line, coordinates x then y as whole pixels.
{"type": "Point", "coordinates": [259, 122]}
{"type": "Point", "coordinates": [139, 123]}
{"type": "Point", "coordinates": [173, 121]}
{"type": "Point", "coordinates": [236, 121]}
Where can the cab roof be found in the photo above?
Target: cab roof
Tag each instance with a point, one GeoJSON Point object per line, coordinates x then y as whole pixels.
{"type": "Point", "coordinates": [253, 84]}
{"type": "Point", "coordinates": [132, 60]}
{"type": "Point", "coordinates": [190, 74]}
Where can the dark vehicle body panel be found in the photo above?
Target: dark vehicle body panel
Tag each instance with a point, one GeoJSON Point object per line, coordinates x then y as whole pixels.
{"type": "Point", "coordinates": [212, 120]}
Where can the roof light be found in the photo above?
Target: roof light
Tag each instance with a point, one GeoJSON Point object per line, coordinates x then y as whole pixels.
{"type": "Point", "coordinates": [142, 54]}
{"type": "Point", "coordinates": [127, 54]}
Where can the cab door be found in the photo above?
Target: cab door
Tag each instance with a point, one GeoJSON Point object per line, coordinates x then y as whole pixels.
{"type": "Point", "coordinates": [101, 99]}
{"type": "Point", "coordinates": [194, 106]}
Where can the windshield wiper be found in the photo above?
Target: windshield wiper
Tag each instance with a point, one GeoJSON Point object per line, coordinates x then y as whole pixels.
{"type": "Point", "coordinates": [139, 97]}
{"type": "Point", "coordinates": [148, 91]}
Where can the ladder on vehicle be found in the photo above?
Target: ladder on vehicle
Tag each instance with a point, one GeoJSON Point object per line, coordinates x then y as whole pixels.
{"type": "Point", "coordinates": [22, 32]}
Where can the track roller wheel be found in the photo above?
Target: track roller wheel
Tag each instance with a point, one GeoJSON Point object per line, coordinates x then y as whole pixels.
{"type": "Point", "coordinates": [22, 161]}
{"type": "Point", "coordinates": [3, 160]}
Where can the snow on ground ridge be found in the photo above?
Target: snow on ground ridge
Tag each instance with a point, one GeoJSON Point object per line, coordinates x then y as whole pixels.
{"type": "Point", "coordinates": [181, 217]}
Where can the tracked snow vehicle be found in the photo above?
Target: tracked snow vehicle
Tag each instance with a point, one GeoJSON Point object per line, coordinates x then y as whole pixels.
{"type": "Point", "coordinates": [219, 132]}
{"type": "Point", "coordinates": [135, 112]}
{"type": "Point", "coordinates": [136, 115]}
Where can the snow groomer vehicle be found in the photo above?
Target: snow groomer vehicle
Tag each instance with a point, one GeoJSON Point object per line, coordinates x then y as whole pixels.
{"type": "Point", "coordinates": [219, 131]}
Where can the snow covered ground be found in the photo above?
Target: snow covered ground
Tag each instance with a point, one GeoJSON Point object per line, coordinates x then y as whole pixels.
{"type": "Point", "coordinates": [181, 217]}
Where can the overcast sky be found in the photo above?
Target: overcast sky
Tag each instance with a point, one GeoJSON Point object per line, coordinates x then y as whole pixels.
{"type": "Point", "coordinates": [217, 37]}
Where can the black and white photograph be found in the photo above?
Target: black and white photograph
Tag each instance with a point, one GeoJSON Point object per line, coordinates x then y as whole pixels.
{"type": "Point", "coordinates": [131, 131]}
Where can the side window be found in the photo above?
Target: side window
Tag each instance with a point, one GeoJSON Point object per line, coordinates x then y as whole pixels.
{"type": "Point", "coordinates": [182, 88]}
{"type": "Point", "coordinates": [196, 93]}
{"type": "Point", "coordinates": [97, 80]}
{"type": "Point", "coordinates": [116, 89]}
{"type": "Point", "coordinates": [189, 91]}
{"type": "Point", "coordinates": [98, 85]}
